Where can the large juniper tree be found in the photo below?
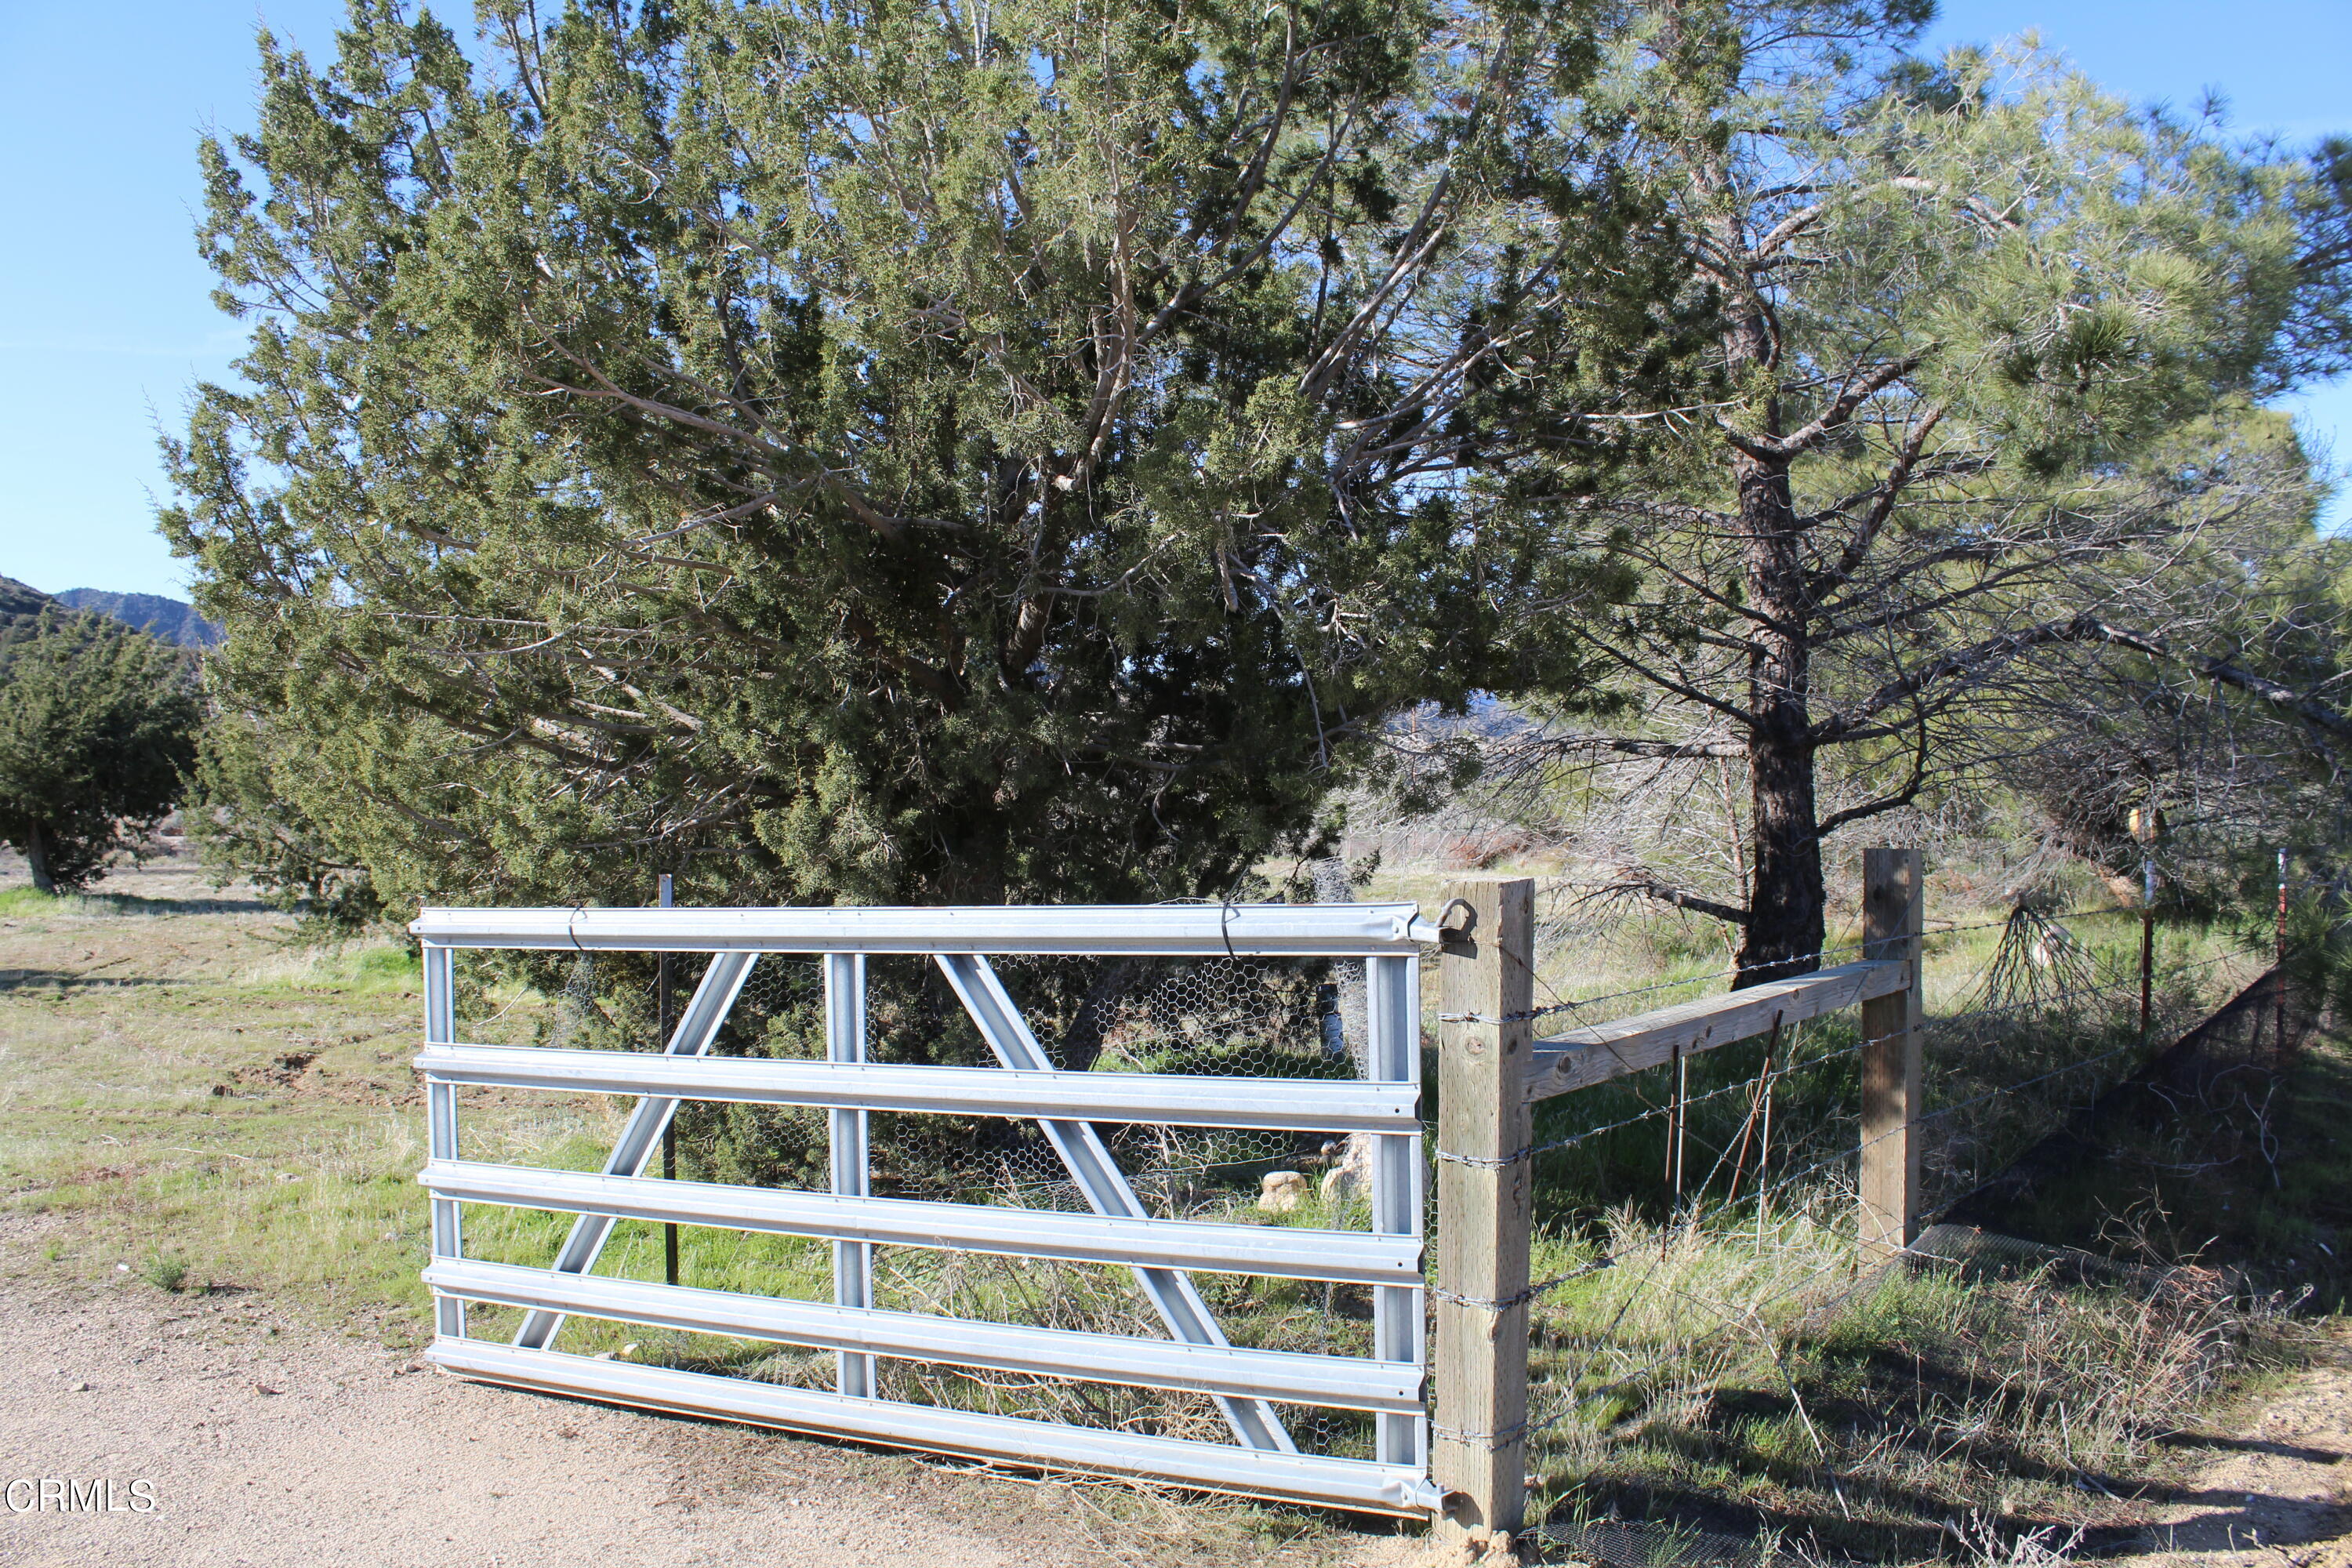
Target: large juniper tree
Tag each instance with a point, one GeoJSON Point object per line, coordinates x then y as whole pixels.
{"type": "Point", "coordinates": [849, 451]}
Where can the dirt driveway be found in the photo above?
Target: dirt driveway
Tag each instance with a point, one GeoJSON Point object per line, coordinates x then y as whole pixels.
{"type": "Point", "coordinates": [263, 1444]}
{"type": "Point", "coordinates": [265, 1441]}
{"type": "Point", "coordinates": [2278, 1491]}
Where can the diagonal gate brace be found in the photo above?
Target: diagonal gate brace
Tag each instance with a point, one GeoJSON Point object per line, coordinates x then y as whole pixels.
{"type": "Point", "coordinates": [712, 1000]}
{"type": "Point", "coordinates": [1171, 1291]}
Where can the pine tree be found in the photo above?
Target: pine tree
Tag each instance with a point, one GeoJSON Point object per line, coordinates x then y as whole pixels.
{"type": "Point", "coordinates": [1969, 314]}
{"type": "Point", "coordinates": [96, 729]}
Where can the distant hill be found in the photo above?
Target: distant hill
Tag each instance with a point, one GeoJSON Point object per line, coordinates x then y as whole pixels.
{"type": "Point", "coordinates": [169, 619]}
{"type": "Point", "coordinates": [20, 609]}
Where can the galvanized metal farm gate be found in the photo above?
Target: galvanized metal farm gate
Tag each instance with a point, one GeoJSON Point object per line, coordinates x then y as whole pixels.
{"type": "Point", "coordinates": [1382, 1106]}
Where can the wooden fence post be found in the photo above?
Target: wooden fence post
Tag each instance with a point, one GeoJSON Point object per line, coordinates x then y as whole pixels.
{"type": "Point", "coordinates": [1486, 990]}
{"type": "Point", "coordinates": [1892, 914]}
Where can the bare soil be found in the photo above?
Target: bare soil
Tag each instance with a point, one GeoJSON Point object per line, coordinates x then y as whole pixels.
{"type": "Point", "coordinates": [265, 1439]}
{"type": "Point", "coordinates": [2277, 1492]}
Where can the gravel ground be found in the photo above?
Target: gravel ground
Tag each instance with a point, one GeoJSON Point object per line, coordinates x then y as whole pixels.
{"type": "Point", "coordinates": [266, 1440]}
{"type": "Point", "coordinates": [2279, 1493]}
{"type": "Point", "coordinates": [262, 1443]}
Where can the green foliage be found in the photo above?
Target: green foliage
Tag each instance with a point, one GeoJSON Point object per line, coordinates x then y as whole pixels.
{"type": "Point", "coordinates": [874, 455]}
{"type": "Point", "coordinates": [97, 727]}
{"type": "Point", "coordinates": [23, 611]}
{"type": "Point", "coordinates": [2227, 729]}
{"type": "Point", "coordinates": [245, 813]}
{"type": "Point", "coordinates": [1986, 470]}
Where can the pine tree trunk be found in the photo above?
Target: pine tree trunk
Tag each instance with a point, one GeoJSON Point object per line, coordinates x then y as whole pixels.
{"type": "Point", "coordinates": [1786, 904]}
{"type": "Point", "coordinates": [1786, 910]}
{"type": "Point", "coordinates": [37, 857]}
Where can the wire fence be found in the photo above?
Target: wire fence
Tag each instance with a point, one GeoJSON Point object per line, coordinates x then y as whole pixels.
{"type": "Point", "coordinates": [1693, 1221]}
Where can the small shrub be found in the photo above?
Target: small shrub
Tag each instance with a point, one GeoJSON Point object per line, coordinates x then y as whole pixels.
{"type": "Point", "coordinates": [165, 1271]}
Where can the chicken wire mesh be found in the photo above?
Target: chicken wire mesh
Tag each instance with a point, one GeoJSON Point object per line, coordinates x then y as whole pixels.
{"type": "Point", "coordinates": [1239, 1016]}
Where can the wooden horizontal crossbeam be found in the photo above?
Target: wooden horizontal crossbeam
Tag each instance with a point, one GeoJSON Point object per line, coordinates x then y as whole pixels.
{"type": "Point", "coordinates": [1598, 1052]}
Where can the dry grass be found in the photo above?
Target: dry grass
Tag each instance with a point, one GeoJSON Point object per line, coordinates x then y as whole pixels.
{"type": "Point", "coordinates": [1708, 1388]}
{"type": "Point", "coordinates": [1728, 1374]}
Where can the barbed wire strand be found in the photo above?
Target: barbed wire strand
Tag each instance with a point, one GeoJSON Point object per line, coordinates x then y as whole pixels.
{"type": "Point", "coordinates": [1797, 1065]}
{"type": "Point", "coordinates": [1748, 1316]}
{"type": "Point", "coordinates": [1560, 1004]}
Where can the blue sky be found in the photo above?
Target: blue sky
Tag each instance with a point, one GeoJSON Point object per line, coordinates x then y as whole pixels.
{"type": "Point", "coordinates": [105, 320]}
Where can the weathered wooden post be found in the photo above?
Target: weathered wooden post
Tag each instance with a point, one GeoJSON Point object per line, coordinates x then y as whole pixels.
{"type": "Point", "coordinates": [1485, 1178]}
{"type": "Point", "coordinates": [1892, 915]}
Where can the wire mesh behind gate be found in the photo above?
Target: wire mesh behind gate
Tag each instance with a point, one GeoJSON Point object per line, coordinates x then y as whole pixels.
{"type": "Point", "coordinates": [894, 1238]}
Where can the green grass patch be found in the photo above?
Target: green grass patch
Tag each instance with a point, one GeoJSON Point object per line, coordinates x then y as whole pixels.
{"type": "Point", "coordinates": [22, 904]}
{"type": "Point", "coordinates": [355, 969]}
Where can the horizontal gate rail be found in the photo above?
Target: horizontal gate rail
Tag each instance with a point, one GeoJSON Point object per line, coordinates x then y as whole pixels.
{"type": "Point", "coordinates": [1323, 1105]}
{"type": "Point", "coordinates": [1195, 931]}
{"type": "Point", "coordinates": [1377, 1110]}
{"type": "Point", "coordinates": [1338, 1256]}
{"type": "Point", "coordinates": [1214, 1467]}
{"type": "Point", "coordinates": [1347, 1383]}
{"type": "Point", "coordinates": [1579, 1059]}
